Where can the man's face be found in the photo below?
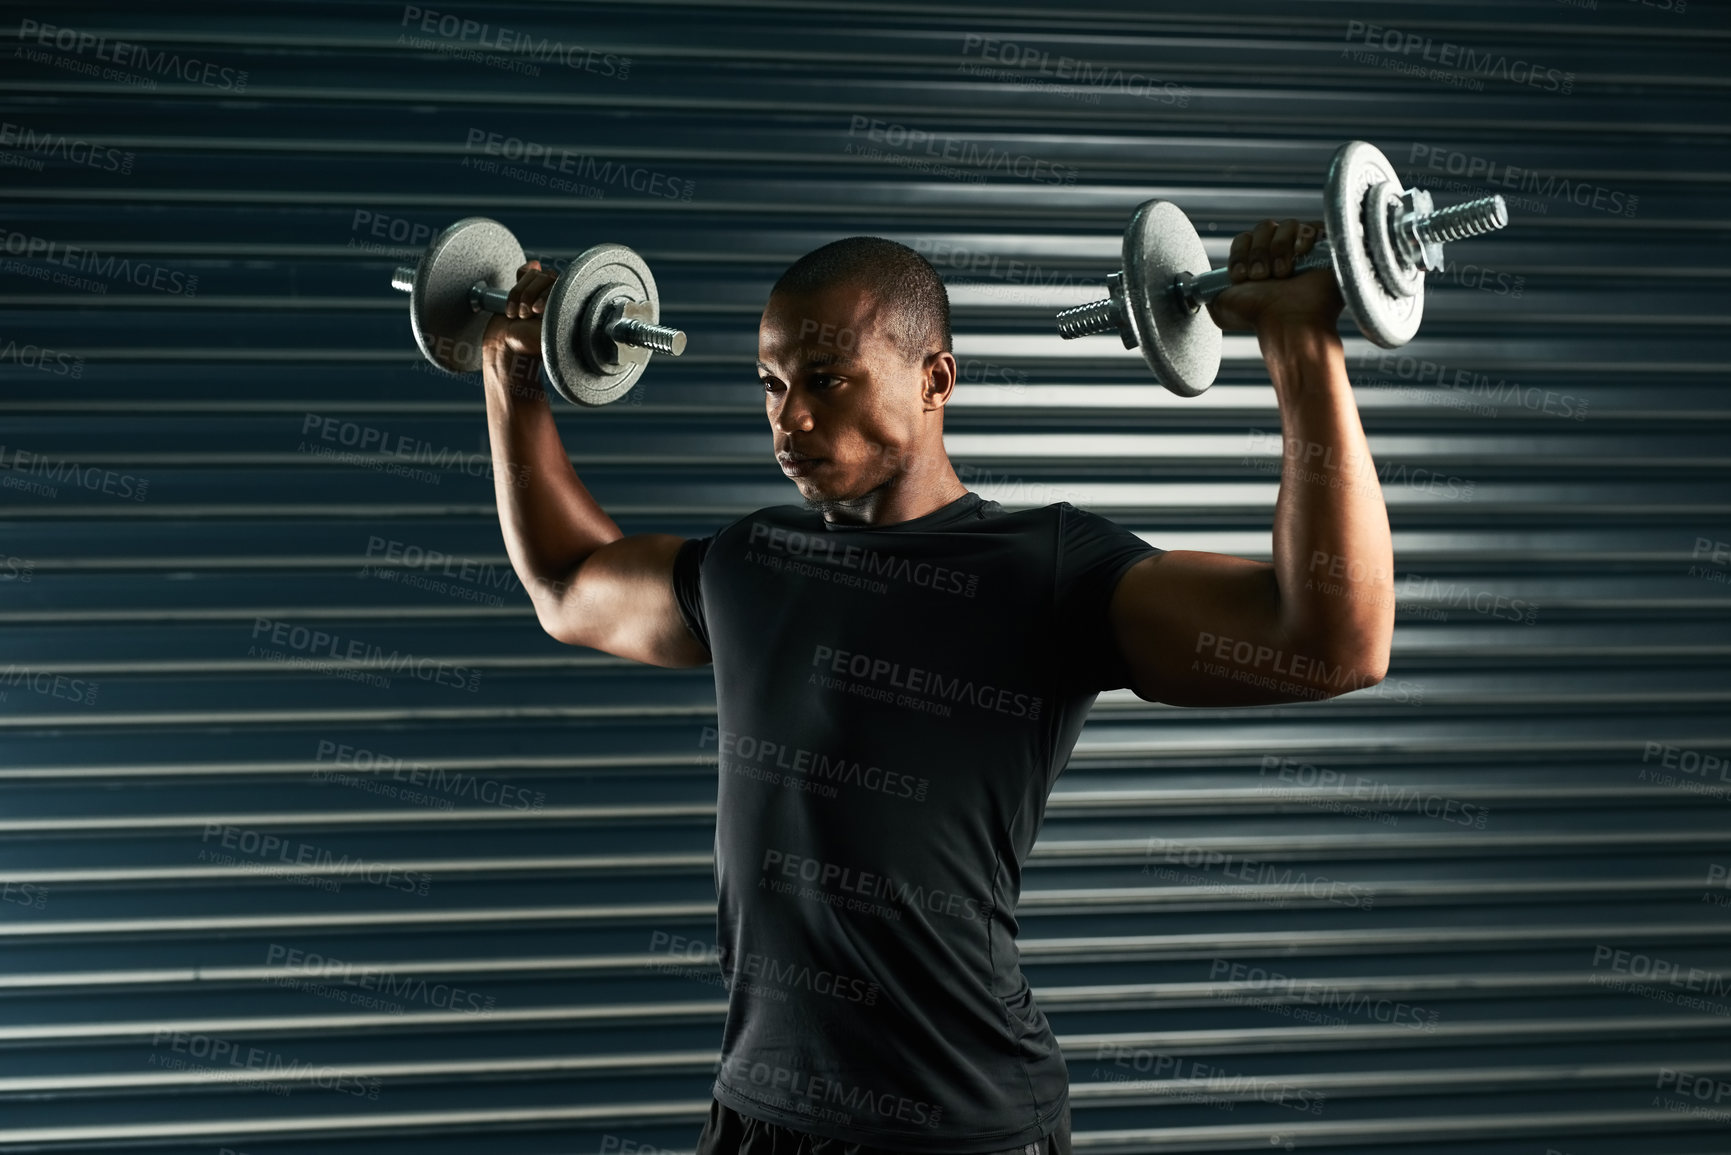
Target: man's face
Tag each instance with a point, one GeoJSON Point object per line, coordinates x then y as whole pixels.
{"type": "Point", "coordinates": [848, 412]}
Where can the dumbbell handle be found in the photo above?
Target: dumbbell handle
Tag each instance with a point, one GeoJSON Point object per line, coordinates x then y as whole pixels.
{"type": "Point", "coordinates": [624, 330]}
{"type": "Point", "coordinates": [1200, 290]}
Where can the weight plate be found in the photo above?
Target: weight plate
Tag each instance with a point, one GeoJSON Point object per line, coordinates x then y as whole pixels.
{"type": "Point", "coordinates": [1387, 319]}
{"type": "Point", "coordinates": [1399, 276]}
{"type": "Point", "coordinates": [447, 328]}
{"type": "Point", "coordinates": [583, 366]}
{"type": "Point", "coordinates": [1181, 346]}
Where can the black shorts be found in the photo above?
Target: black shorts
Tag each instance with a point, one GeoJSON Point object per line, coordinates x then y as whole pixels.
{"type": "Point", "coordinates": [727, 1132]}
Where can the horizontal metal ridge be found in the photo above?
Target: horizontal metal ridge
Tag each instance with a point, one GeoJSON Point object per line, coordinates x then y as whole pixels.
{"type": "Point", "coordinates": [331, 1126]}
{"type": "Point", "coordinates": [1397, 940]}
{"type": "Point", "coordinates": [1083, 1092]}
{"type": "Point", "coordinates": [365, 921]}
{"type": "Point", "coordinates": [1004, 204]}
{"type": "Point", "coordinates": [1467, 655]}
{"type": "Point", "coordinates": [111, 1032]}
{"type": "Point", "coordinates": [1475, 985]}
{"type": "Point", "coordinates": [1238, 1040]}
{"type": "Point", "coordinates": [499, 764]}
{"type": "Point", "coordinates": [1272, 847]}
{"type": "Point", "coordinates": [1043, 949]}
{"type": "Point", "coordinates": [1249, 1136]}
{"type": "Point", "coordinates": [1093, 753]}
{"type": "Point", "coordinates": [352, 717]}
{"type": "Point", "coordinates": [689, 1062]}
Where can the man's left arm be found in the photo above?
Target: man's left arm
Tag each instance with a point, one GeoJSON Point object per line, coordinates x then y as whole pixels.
{"type": "Point", "coordinates": [1208, 629]}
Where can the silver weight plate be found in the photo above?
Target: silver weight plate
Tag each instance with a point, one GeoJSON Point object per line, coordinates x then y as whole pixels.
{"type": "Point", "coordinates": [1388, 319]}
{"type": "Point", "coordinates": [1400, 276]}
{"type": "Point", "coordinates": [1181, 346]}
{"type": "Point", "coordinates": [577, 365]}
{"type": "Point", "coordinates": [447, 328]}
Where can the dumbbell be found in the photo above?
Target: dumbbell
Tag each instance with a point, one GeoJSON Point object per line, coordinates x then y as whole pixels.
{"type": "Point", "coordinates": [1381, 239]}
{"type": "Point", "coordinates": [601, 324]}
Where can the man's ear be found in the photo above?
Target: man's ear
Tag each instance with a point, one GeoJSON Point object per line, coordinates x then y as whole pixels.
{"type": "Point", "coordinates": [937, 379]}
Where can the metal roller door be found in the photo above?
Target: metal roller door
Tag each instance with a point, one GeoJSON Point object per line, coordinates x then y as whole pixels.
{"type": "Point", "coordinates": [450, 890]}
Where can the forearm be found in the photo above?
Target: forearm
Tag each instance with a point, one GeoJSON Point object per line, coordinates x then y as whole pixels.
{"type": "Point", "coordinates": [1333, 558]}
{"type": "Point", "coordinates": [549, 520]}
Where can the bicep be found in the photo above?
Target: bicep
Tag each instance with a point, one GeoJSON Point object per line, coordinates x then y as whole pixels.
{"type": "Point", "coordinates": [621, 601]}
{"type": "Point", "coordinates": [1204, 629]}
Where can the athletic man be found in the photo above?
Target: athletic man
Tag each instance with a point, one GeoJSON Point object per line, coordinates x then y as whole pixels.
{"type": "Point", "coordinates": [902, 669]}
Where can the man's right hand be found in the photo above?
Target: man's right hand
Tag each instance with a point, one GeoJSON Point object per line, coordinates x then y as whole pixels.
{"type": "Point", "coordinates": [518, 328]}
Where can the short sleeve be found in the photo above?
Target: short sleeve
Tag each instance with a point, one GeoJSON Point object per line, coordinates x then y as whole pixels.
{"type": "Point", "coordinates": [688, 586]}
{"type": "Point", "coordinates": [1093, 554]}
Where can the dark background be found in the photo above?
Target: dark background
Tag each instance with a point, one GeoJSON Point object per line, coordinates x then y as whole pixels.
{"type": "Point", "coordinates": [506, 858]}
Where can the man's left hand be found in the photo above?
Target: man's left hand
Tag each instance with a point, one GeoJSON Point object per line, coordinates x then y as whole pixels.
{"type": "Point", "coordinates": [1264, 292]}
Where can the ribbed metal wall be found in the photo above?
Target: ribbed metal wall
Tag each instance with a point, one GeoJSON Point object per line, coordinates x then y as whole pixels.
{"type": "Point", "coordinates": [253, 904]}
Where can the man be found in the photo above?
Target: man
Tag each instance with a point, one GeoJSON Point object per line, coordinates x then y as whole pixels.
{"type": "Point", "coordinates": [902, 670]}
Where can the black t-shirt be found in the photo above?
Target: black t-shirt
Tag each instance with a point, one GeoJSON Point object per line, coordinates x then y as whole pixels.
{"type": "Point", "coordinates": [894, 704]}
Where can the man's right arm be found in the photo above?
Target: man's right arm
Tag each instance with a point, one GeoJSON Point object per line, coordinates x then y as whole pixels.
{"type": "Point", "coordinates": [591, 585]}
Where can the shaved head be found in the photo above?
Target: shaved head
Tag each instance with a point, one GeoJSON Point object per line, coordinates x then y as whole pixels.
{"type": "Point", "coordinates": [912, 306]}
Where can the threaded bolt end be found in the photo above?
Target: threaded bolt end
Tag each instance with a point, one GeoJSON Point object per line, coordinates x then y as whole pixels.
{"type": "Point", "coordinates": [404, 278]}
{"type": "Point", "coordinates": [643, 335]}
{"type": "Point", "coordinates": [1085, 320]}
{"type": "Point", "coordinates": [1457, 222]}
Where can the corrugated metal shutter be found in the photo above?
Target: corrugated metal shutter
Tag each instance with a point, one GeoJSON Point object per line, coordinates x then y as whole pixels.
{"type": "Point", "coordinates": [259, 905]}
